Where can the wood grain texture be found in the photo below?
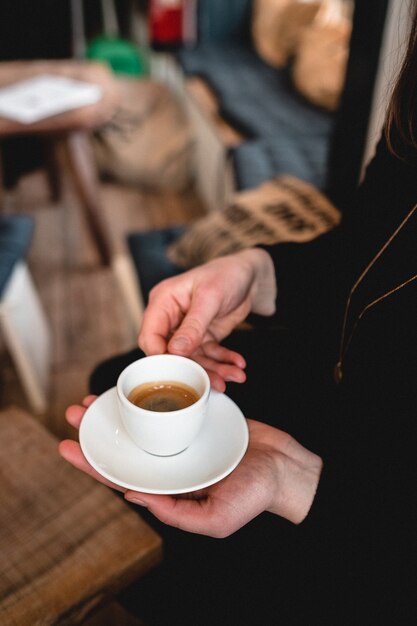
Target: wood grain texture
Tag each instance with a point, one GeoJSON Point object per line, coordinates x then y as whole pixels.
{"type": "Point", "coordinates": [66, 542]}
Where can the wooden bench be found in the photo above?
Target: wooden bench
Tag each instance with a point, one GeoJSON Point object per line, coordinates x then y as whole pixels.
{"type": "Point", "coordinates": [67, 543]}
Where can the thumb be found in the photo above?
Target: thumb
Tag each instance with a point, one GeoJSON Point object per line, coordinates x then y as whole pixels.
{"type": "Point", "coordinates": [191, 333]}
{"type": "Point", "coordinates": [189, 514]}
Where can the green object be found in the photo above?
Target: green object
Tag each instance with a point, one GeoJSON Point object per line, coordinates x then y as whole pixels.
{"type": "Point", "coordinates": [122, 56]}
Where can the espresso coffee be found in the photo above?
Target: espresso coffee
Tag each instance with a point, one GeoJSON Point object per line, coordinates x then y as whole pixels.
{"type": "Point", "coordinates": [163, 396]}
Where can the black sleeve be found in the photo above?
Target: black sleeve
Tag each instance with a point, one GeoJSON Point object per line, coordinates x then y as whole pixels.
{"type": "Point", "coordinates": [356, 540]}
{"type": "Point", "coordinates": [317, 275]}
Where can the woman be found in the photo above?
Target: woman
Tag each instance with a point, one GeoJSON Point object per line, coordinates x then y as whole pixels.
{"type": "Point", "coordinates": [326, 515]}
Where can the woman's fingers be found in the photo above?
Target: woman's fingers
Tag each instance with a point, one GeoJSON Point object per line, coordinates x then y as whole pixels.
{"type": "Point", "coordinates": [222, 365]}
{"type": "Point", "coordinates": [225, 371]}
{"type": "Point", "coordinates": [189, 514]}
{"type": "Point", "coordinates": [223, 355]}
{"type": "Point", "coordinates": [75, 413]}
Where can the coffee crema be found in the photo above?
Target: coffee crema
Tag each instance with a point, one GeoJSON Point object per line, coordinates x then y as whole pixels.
{"type": "Point", "coordinates": [163, 396]}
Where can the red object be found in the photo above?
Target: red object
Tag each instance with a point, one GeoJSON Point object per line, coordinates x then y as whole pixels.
{"type": "Point", "coordinates": [166, 21]}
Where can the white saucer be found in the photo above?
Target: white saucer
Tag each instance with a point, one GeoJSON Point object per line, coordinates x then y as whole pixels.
{"type": "Point", "coordinates": [215, 453]}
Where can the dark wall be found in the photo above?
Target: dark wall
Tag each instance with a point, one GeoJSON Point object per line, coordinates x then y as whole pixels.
{"type": "Point", "coordinates": [36, 29]}
{"type": "Point", "coordinates": [42, 28]}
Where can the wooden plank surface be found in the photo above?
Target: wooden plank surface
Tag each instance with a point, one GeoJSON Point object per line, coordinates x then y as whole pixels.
{"type": "Point", "coordinates": [66, 542]}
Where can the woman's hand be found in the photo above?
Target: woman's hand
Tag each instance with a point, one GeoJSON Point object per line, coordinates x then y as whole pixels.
{"type": "Point", "coordinates": [71, 451]}
{"type": "Point", "coordinates": [276, 474]}
{"type": "Point", "coordinates": [190, 314]}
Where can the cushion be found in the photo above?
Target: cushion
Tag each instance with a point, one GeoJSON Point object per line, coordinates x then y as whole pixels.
{"type": "Point", "coordinates": [282, 209]}
{"type": "Point", "coordinates": [304, 156]}
{"type": "Point", "coordinates": [15, 238]}
{"type": "Point", "coordinates": [221, 21]}
{"type": "Point", "coordinates": [257, 99]}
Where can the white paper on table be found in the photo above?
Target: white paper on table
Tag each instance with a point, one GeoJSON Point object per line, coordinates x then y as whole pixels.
{"type": "Point", "coordinates": [37, 98]}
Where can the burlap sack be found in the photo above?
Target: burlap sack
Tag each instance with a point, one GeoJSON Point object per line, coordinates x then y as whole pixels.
{"type": "Point", "coordinates": [323, 49]}
{"type": "Point", "coordinates": [277, 26]}
{"type": "Point", "coordinates": [149, 142]}
{"type": "Point", "coordinates": [282, 209]}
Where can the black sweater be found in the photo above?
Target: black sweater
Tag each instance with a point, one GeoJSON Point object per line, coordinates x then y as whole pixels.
{"type": "Point", "coordinates": [358, 541]}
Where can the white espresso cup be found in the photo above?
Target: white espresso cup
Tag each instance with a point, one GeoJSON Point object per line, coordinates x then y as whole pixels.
{"type": "Point", "coordinates": [163, 432]}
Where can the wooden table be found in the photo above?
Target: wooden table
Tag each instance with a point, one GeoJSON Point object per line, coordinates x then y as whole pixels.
{"type": "Point", "coordinates": [67, 543]}
{"type": "Point", "coordinates": [66, 135]}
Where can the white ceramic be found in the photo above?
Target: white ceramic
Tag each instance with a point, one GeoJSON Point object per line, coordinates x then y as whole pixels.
{"type": "Point", "coordinates": [163, 433]}
{"type": "Point", "coordinates": [214, 454]}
